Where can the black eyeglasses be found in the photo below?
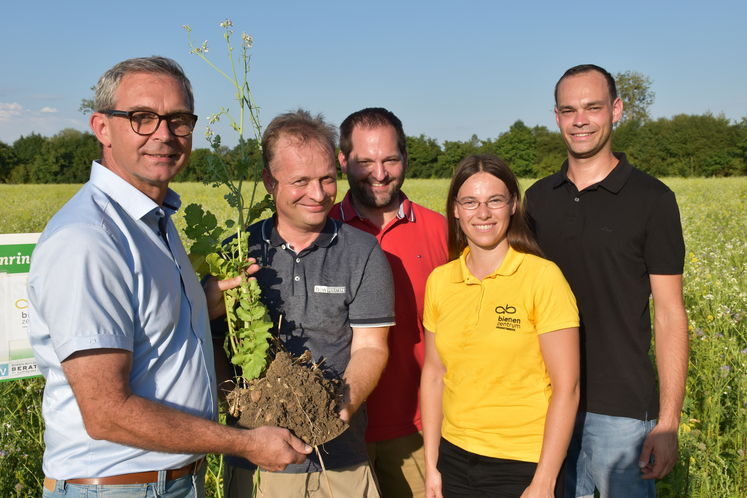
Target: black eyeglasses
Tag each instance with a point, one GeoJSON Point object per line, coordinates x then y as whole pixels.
{"type": "Point", "coordinates": [180, 124]}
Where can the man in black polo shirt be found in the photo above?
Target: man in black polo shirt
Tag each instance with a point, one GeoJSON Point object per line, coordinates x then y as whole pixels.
{"type": "Point", "coordinates": [332, 285]}
{"type": "Point", "coordinates": [615, 232]}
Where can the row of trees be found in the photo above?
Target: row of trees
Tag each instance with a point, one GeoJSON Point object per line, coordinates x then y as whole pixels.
{"type": "Point", "coordinates": [685, 145]}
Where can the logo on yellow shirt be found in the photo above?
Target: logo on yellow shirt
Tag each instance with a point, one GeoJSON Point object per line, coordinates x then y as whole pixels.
{"type": "Point", "coordinates": [507, 322]}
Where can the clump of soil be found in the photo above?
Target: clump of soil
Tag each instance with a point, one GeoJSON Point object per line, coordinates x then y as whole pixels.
{"type": "Point", "coordinates": [294, 395]}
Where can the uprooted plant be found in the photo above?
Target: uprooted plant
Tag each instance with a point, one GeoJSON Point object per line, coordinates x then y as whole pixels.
{"type": "Point", "coordinates": [290, 393]}
{"type": "Point", "coordinates": [247, 340]}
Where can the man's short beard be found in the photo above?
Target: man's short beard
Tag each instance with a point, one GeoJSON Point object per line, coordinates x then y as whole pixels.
{"type": "Point", "coordinates": [367, 199]}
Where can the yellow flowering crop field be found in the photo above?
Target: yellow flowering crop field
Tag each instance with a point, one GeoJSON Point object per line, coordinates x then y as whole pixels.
{"type": "Point", "coordinates": [713, 430]}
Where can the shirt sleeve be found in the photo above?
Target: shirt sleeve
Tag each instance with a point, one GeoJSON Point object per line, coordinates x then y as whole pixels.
{"type": "Point", "coordinates": [554, 303]}
{"type": "Point", "coordinates": [430, 314]}
{"type": "Point", "coordinates": [664, 249]}
{"type": "Point", "coordinates": [83, 290]}
{"type": "Point", "coordinates": [373, 305]}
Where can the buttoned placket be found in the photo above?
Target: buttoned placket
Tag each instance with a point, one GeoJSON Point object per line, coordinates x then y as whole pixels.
{"type": "Point", "coordinates": [163, 231]}
{"type": "Point", "coordinates": [299, 273]}
{"type": "Point", "coordinates": [390, 226]}
{"type": "Point", "coordinates": [473, 324]}
{"type": "Point", "coordinates": [574, 220]}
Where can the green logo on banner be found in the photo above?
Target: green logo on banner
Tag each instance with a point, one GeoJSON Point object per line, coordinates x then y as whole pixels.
{"type": "Point", "coordinates": [15, 258]}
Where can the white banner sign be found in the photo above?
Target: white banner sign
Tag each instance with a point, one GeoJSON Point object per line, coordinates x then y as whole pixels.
{"type": "Point", "coordinates": [16, 357]}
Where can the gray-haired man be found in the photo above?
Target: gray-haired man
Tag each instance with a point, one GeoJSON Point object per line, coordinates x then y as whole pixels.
{"type": "Point", "coordinates": [119, 322]}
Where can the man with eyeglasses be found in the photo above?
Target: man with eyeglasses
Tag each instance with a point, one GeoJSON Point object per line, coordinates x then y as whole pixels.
{"type": "Point", "coordinates": [119, 322]}
{"type": "Point", "coordinates": [615, 233]}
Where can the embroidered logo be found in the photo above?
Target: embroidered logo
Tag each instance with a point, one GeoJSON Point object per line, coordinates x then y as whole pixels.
{"type": "Point", "coordinates": [324, 289]}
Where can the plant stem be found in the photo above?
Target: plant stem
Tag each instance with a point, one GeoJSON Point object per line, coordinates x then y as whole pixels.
{"type": "Point", "coordinates": [324, 471]}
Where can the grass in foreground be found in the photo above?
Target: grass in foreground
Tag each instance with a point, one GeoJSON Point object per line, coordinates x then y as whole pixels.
{"type": "Point", "coordinates": [713, 434]}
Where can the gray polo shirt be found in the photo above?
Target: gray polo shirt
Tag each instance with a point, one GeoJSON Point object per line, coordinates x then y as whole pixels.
{"type": "Point", "coordinates": [342, 280]}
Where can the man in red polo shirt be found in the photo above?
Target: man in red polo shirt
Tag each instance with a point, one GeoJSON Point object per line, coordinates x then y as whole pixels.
{"type": "Point", "coordinates": [373, 154]}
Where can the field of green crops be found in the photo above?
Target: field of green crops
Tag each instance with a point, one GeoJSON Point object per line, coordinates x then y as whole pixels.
{"type": "Point", "coordinates": [713, 433]}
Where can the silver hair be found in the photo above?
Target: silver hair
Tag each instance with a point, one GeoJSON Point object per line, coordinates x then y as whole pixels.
{"type": "Point", "coordinates": [107, 86]}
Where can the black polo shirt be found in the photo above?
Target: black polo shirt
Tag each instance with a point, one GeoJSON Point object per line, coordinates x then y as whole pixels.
{"type": "Point", "coordinates": [342, 280]}
{"type": "Point", "coordinates": [607, 240]}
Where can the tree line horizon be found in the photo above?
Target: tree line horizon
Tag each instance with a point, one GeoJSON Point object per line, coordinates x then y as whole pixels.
{"type": "Point", "coordinates": [685, 145]}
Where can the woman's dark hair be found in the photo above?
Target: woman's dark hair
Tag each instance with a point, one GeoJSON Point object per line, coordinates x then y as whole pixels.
{"type": "Point", "coordinates": [519, 235]}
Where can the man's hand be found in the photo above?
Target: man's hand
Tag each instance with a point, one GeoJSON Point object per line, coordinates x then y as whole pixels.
{"type": "Point", "coordinates": [214, 290]}
{"type": "Point", "coordinates": [273, 448]}
{"type": "Point", "coordinates": [661, 444]}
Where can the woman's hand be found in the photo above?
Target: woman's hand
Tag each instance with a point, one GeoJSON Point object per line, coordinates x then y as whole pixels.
{"type": "Point", "coordinates": [433, 484]}
{"type": "Point", "coordinates": [537, 491]}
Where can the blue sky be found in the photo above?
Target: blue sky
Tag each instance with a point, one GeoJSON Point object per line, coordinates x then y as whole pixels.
{"type": "Point", "coordinates": [448, 69]}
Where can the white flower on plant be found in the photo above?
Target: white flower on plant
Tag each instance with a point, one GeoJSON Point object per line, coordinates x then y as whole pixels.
{"type": "Point", "coordinates": [248, 40]}
{"type": "Point", "coordinates": [202, 49]}
{"type": "Point", "coordinates": [226, 24]}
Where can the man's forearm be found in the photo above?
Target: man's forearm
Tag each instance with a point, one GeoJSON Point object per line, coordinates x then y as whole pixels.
{"type": "Point", "coordinates": [671, 363]}
{"type": "Point", "coordinates": [112, 412]}
{"type": "Point", "coordinates": [670, 331]}
{"type": "Point", "coordinates": [362, 374]}
{"type": "Point", "coordinates": [146, 424]}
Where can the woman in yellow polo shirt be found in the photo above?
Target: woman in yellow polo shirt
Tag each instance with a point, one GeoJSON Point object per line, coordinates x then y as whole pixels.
{"type": "Point", "coordinates": [499, 388]}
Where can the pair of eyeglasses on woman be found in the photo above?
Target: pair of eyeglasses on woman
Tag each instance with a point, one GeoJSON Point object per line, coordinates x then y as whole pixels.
{"type": "Point", "coordinates": [471, 204]}
{"type": "Point", "coordinates": [180, 124]}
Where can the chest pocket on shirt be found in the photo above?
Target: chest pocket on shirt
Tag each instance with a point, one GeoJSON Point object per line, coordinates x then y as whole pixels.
{"type": "Point", "coordinates": [328, 306]}
{"type": "Point", "coordinates": [160, 299]}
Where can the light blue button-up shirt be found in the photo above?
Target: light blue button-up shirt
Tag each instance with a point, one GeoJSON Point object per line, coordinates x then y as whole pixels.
{"type": "Point", "coordinates": [103, 276]}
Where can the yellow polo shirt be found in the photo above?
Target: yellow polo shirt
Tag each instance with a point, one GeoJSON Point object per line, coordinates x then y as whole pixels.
{"type": "Point", "coordinates": [496, 386]}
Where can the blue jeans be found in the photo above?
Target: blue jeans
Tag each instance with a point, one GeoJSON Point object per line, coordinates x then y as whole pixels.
{"type": "Point", "coordinates": [189, 486]}
{"type": "Point", "coordinates": [603, 454]}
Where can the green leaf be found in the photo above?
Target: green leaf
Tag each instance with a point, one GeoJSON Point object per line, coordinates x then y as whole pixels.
{"type": "Point", "coordinates": [209, 221]}
{"type": "Point", "coordinates": [256, 211]}
{"type": "Point", "coordinates": [257, 312]}
{"type": "Point", "coordinates": [243, 315]}
{"type": "Point", "coordinates": [203, 246]}
{"type": "Point", "coordinates": [218, 266]}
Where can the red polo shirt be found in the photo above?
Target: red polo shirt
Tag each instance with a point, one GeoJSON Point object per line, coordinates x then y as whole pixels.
{"type": "Point", "coordinates": [414, 243]}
